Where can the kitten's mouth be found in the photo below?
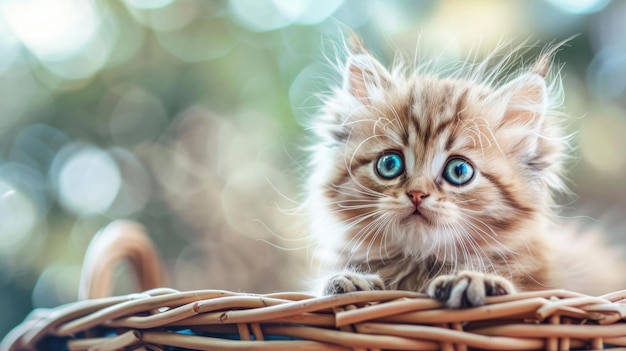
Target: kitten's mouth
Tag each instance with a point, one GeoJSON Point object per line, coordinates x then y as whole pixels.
{"type": "Point", "coordinates": [418, 218]}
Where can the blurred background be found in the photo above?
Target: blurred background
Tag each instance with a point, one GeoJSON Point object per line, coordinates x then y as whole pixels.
{"type": "Point", "coordinates": [187, 116]}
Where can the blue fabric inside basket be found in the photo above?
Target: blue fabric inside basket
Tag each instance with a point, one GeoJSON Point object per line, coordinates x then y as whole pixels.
{"type": "Point", "coordinates": [233, 336]}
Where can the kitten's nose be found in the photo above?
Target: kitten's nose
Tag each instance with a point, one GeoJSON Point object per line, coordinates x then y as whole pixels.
{"type": "Point", "coordinates": [417, 196]}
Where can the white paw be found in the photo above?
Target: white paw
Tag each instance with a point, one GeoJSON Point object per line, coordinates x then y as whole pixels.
{"type": "Point", "coordinates": [468, 289]}
{"type": "Point", "coordinates": [346, 282]}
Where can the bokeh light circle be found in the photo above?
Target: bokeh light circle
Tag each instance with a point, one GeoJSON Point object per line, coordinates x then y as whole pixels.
{"type": "Point", "coordinates": [52, 30]}
{"type": "Point", "coordinates": [201, 40]}
{"type": "Point", "coordinates": [18, 217]}
{"type": "Point", "coordinates": [601, 136]}
{"type": "Point", "coordinates": [304, 91]}
{"type": "Point", "coordinates": [149, 4]}
{"type": "Point", "coordinates": [138, 116]}
{"type": "Point", "coordinates": [579, 6]}
{"type": "Point", "coordinates": [259, 15]}
{"type": "Point", "coordinates": [607, 74]}
{"type": "Point", "coordinates": [88, 180]}
{"type": "Point", "coordinates": [136, 187]}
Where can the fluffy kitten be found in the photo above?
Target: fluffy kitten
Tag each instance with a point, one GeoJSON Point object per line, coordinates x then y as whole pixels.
{"type": "Point", "coordinates": [445, 185]}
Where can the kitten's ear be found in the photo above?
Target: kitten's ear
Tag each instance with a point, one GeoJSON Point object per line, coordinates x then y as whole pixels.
{"type": "Point", "coordinates": [522, 124]}
{"type": "Point", "coordinates": [523, 101]}
{"type": "Point", "coordinates": [525, 98]}
{"type": "Point", "coordinates": [364, 77]}
{"type": "Point", "coordinates": [525, 126]}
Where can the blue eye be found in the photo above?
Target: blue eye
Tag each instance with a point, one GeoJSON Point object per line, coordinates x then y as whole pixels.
{"type": "Point", "coordinates": [458, 172]}
{"type": "Point", "coordinates": [390, 165]}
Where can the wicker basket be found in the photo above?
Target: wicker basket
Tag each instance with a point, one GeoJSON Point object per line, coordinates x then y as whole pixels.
{"type": "Point", "coordinates": [166, 319]}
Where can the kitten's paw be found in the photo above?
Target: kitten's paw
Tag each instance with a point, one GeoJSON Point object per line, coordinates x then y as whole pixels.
{"type": "Point", "coordinates": [346, 282]}
{"type": "Point", "coordinates": [468, 289]}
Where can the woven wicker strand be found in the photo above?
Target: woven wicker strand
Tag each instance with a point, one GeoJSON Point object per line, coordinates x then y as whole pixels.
{"type": "Point", "coordinates": [378, 320]}
{"type": "Point", "coordinates": [166, 319]}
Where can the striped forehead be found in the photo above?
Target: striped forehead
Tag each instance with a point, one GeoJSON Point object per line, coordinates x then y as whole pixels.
{"type": "Point", "coordinates": [434, 116]}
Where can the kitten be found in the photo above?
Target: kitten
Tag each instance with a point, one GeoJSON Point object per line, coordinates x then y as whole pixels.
{"type": "Point", "coordinates": [445, 185]}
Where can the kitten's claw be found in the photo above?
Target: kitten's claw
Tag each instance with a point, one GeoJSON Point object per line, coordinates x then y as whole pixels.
{"type": "Point", "coordinates": [346, 282]}
{"type": "Point", "coordinates": [468, 289]}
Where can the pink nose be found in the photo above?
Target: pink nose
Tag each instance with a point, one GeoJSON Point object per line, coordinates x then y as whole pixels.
{"type": "Point", "coordinates": [417, 196]}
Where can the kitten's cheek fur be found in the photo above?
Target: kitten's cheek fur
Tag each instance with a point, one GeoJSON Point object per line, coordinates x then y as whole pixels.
{"type": "Point", "coordinates": [468, 289]}
{"type": "Point", "coordinates": [347, 281]}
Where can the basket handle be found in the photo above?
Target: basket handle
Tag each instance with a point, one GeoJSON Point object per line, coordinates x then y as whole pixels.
{"type": "Point", "coordinates": [118, 241]}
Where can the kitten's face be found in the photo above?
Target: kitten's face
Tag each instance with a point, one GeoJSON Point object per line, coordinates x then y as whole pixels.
{"type": "Point", "coordinates": [429, 166]}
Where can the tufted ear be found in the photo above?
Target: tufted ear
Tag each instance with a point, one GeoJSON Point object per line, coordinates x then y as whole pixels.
{"type": "Point", "coordinates": [523, 120]}
{"type": "Point", "coordinates": [523, 102]}
{"type": "Point", "coordinates": [520, 119]}
{"type": "Point", "coordinates": [364, 77]}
